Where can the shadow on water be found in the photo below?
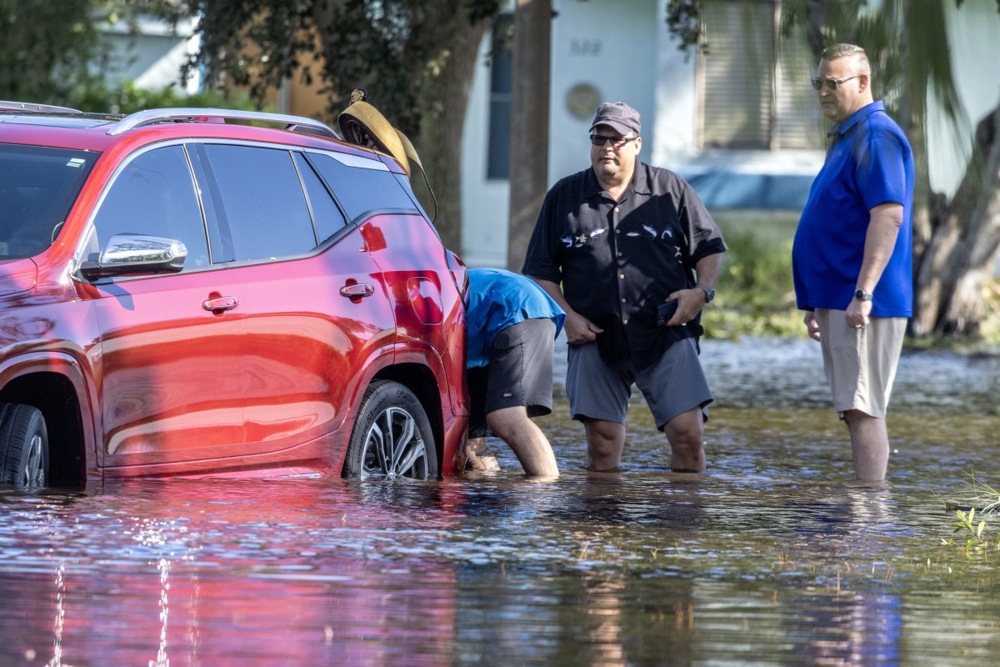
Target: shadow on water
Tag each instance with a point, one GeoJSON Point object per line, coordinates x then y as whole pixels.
{"type": "Point", "coordinates": [774, 556]}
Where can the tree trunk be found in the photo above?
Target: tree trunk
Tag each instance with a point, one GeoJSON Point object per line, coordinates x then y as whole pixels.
{"type": "Point", "coordinates": [529, 127]}
{"type": "Point", "coordinates": [442, 104]}
{"type": "Point", "coordinates": [420, 81]}
{"type": "Point", "coordinates": [950, 275]}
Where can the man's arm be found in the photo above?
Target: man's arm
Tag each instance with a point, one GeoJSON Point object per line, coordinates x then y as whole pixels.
{"type": "Point", "coordinates": [883, 228]}
{"type": "Point", "coordinates": [579, 330]}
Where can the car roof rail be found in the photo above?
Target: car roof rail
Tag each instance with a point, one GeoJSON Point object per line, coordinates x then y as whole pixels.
{"type": "Point", "coordinates": [8, 105]}
{"type": "Point", "coordinates": [178, 115]}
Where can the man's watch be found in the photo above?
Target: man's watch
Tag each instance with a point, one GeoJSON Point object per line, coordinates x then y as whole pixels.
{"type": "Point", "coordinates": [709, 292]}
{"type": "Point", "coordinates": [862, 295]}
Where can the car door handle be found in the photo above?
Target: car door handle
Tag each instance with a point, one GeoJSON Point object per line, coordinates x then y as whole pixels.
{"type": "Point", "coordinates": [220, 304]}
{"type": "Point", "coordinates": [357, 290]}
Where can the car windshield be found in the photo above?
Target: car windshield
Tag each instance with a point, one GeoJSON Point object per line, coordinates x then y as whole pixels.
{"type": "Point", "coordinates": [38, 186]}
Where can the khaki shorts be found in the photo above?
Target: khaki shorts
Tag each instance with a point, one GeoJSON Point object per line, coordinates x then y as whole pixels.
{"type": "Point", "coordinates": [860, 364]}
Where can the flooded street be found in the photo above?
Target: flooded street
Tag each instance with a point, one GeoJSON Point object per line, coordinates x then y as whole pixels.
{"type": "Point", "coordinates": [774, 557]}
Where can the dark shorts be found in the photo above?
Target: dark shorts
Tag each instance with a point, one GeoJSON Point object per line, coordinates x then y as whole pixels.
{"type": "Point", "coordinates": [671, 387]}
{"type": "Point", "coordinates": [519, 374]}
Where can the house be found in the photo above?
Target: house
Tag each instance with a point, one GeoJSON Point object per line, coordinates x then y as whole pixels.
{"type": "Point", "coordinates": [151, 53]}
{"type": "Point", "coordinates": [741, 125]}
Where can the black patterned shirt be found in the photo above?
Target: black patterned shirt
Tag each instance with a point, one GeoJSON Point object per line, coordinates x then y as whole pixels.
{"type": "Point", "coordinates": [616, 261]}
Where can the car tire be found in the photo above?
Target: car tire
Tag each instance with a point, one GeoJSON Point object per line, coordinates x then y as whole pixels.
{"type": "Point", "coordinates": [392, 436]}
{"type": "Point", "coordinates": [24, 447]}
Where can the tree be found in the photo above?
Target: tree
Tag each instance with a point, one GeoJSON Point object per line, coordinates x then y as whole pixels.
{"type": "Point", "coordinates": [415, 59]}
{"type": "Point", "coordinates": [529, 102]}
{"type": "Point", "coordinates": [46, 49]}
{"type": "Point", "coordinates": [57, 52]}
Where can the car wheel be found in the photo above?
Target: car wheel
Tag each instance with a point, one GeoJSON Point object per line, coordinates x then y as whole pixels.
{"type": "Point", "coordinates": [24, 446]}
{"type": "Point", "coordinates": [392, 436]}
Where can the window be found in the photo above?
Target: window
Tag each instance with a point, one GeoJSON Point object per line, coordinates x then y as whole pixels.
{"type": "Point", "coordinates": [501, 87]}
{"type": "Point", "coordinates": [363, 187]}
{"type": "Point", "coordinates": [754, 83]}
{"type": "Point", "coordinates": [327, 217]}
{"type": "Point", "coordinates": [265, 207]}
{"type": "Point", "coordinates": [37, 189]}
{"type": "Point", "coordinates": [154, 195]}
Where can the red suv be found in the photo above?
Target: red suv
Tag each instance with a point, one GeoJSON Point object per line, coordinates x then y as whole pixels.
{"type": "Point", "coordinates": [181, 294]}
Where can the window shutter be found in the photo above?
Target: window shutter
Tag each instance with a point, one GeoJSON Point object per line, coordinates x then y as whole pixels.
{"type": "Point", "coordinates": [737, 74]}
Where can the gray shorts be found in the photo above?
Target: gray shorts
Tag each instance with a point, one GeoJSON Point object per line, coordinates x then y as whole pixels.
{"type": "Point", "coordinates": [860, 364]}
{"type": "Point", "coordinates": [672, 387]}
{"type": "Point", "coordinates": [519, 374]}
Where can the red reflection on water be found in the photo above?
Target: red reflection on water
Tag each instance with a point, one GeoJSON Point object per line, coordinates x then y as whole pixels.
{"type": "Point", "coordinates": [270, 574]}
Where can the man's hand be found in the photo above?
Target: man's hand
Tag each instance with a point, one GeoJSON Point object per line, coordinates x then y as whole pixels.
{"type": "Point", "coordinates": [579, 330]}
{"type": "Point", "coordinates": [812, 326]}
{"type": "Point", "coordinates": [689, 304]}
{"type": "Point", "coordinates": [857, 313]}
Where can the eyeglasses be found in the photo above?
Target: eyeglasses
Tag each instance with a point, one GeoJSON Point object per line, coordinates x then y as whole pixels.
{"type": "Point", "coordinates": [616, 142]}
{"type": "Point", "coordinates": [832, 84]}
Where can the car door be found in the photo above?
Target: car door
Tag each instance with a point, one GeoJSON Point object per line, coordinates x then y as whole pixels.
{"type": "Point", "coordinates": [172, 346]}
{"type": "Point", "coordinates": [318, 321]}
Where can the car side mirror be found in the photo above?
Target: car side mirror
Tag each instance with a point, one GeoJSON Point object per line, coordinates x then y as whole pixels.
{"type": "Point", "coordinates": [126, 254]}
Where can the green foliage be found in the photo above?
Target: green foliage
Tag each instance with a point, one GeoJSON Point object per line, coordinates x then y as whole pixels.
{"type": "Point", "coordinates": [128, 98]}
{"type": "Point", "coordinates": [755, 295]}
{"type": "Point", "coordinates": [45, 49]}
{"type": "Point", "coordinates": [55, 52]}
{"type": "Point", "coordinates": [976, 539]}
{"type": "Point", "coordinates": [684, 22]}
{"type": "Point", "coordinates": [391, 48]}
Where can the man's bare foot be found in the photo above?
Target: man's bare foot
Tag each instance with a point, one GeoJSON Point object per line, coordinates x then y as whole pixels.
{"type": "Point", "coordinates": [478, 456]}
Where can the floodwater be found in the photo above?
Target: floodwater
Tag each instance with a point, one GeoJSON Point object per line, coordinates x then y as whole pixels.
{"type": "Point", "coordinates": [774, 557]}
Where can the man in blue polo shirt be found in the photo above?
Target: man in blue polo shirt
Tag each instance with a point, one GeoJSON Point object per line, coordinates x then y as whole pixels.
{"type": "Point", "coordinates": [851, 258]}
{"type": "Point", "coordinates": [512, 324]}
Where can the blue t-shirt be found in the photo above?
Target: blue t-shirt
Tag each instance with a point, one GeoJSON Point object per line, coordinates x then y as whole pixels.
{"type": "Point", "coordinates": [498, 299]}
{"type": "Point", "coordinates": [869, 163]}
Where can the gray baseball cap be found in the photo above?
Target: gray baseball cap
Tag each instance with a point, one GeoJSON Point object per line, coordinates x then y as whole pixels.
{"type": "Point", "coordinates": [619, 116]}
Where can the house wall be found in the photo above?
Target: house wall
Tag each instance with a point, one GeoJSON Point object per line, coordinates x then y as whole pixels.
{"type": "Point", "coordinates": [152, 58]}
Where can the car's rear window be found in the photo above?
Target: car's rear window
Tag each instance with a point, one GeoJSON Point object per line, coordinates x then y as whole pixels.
{"type": "Point", "coordinates": [38, 186]}
{"type": "Point", "coordinates": [361, 190]}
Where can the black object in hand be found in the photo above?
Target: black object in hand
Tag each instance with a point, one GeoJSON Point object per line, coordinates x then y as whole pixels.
{"type": "Point", "coordinates": [665, 311]}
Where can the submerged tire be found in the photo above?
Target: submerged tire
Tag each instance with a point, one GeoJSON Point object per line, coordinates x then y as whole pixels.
{"type": "Point", "coordinates": [392, 436]}
{"type": "Point", "coordinates": [24, 447]}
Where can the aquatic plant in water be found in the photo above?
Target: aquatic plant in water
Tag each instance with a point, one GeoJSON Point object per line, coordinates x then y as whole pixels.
{"type": "Point", "coordinates": [988, 500]}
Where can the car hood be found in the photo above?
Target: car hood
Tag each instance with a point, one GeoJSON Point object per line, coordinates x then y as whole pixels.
{"type": "Point", "coordinates": [17, 275]}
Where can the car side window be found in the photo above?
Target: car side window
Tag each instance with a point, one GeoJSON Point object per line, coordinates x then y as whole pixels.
{"type": "Point", "coordinates": [154, 194]}
{"type": "Point", "coordinates": [264, 204]}
{"type": "Point", "coordinates": [361, 189]}
{"type": "Point", "coordinates": [327, 217]}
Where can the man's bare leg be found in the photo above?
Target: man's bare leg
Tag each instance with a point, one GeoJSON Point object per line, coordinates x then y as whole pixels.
{"type": "Point", "coordinates": [686, 435]}
{"type": "Point", "coordinates": [528, 441]}
{"type": "Point", "coordinates": [605, 442]}
{"type": "Point", "coordinates": [869, 445]}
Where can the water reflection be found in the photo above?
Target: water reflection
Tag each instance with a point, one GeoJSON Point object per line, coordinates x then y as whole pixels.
{"type": "Point", "coordinates": [775, 556]}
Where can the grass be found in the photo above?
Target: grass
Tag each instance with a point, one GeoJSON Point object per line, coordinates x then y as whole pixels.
{"type": "Point", "coordinates": [754, 295]}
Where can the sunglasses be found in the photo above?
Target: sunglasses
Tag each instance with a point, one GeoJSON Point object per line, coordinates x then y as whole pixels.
{"type": "Point", "coordinates": [616, 142]}
{"type": "Point", "coordinates": [832, 84]}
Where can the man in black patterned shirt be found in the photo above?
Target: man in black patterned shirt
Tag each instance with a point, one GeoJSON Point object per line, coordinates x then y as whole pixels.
{"type": "Point", "coordinates": [611, 244]}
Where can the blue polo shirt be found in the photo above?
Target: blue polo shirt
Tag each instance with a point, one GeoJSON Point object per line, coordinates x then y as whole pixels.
{"type": "Point", "coordinates": [869, 163]}
{"type": "Point", "coordinates": [499, 299]}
